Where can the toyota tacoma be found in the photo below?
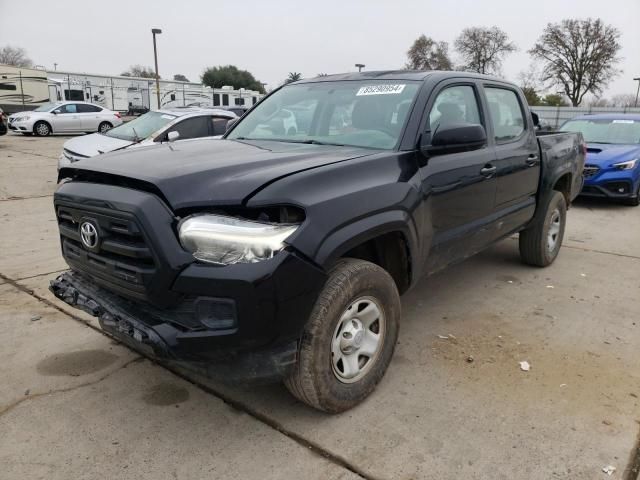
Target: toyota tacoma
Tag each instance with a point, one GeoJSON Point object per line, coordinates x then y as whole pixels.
{"type": "Point", "coordinates": [280, 251]}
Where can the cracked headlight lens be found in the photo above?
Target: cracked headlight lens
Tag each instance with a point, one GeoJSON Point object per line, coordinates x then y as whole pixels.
{"type": "Point", "coordinates": [227, 240]}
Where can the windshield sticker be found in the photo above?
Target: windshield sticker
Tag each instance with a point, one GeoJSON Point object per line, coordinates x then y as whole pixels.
{"type": "Point", "coordinates": [623, 121]}
{"type": "Point", "coordinates": [168, 117]}
{"type": "Point", "coordinates": [380, 90]}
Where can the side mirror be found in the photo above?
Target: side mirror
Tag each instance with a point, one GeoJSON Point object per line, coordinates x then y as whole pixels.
{"type": "Point", "coordinates": [231, 123]}
{"type": "Point", "coordinates": [55, 112]}
{"type": "Point", "coordinates": [172, 136]}
{"type": "Point", "coordinates": [456, 138]}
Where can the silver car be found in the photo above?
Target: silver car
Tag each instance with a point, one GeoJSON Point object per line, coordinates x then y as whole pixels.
{"type": "Point", "coordinates": [152, 127]}
{"type": "Point", "coordinates": [64, 117]}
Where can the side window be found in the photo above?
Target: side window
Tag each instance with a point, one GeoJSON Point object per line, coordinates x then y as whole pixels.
{"type": "Point", "coordinates": [506, 113]}
{"type": "Point", "coordinates": [84, 108]}
{"type": "Point", "coordinates": [454, 106]}
{"type": "Point", "coordinates": [219, 125]}
{"type": "Point", "coordinates": [69, 108]}
{"type": "Point", "coordinates": [192, 128]}
{"type": "Point", "coordinates": [225, 99]}
{"type": "Point", "coordinates": [216, 99]}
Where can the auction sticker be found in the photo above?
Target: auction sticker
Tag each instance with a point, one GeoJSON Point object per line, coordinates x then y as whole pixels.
{"type": "Point", "coordinates": [385, 89]}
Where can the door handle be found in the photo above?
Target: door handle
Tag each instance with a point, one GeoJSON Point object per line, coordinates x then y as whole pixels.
{"type": "Point", "coordinates": [488, 170]}
{"type": "Point", "coordinates": [532, 160]}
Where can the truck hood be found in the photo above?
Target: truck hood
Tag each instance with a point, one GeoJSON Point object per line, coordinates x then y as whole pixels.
{"type": "Point", "coordinates": [604, 155]}
{"type": "Point", "coordinates": [210, 172]}
{"type": "Point", "coordinates": [95, 144]}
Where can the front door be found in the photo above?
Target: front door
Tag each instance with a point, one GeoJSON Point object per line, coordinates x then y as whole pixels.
{"type": "Point", "coordinates": [67, 119]}
{"type": "Point", "coordinates": [459, 188]}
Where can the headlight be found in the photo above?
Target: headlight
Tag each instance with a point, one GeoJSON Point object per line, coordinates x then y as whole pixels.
{"type": "Point", "coordinates": [227, 240]}
{"type": "Point", "coordinates": [22, 119]}
{"type": "Point", "coordinates": [626, 165]}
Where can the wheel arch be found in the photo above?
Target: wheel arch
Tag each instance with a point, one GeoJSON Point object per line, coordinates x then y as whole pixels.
{"type": "Point", "coordinates": [51, 130]}
{"type": "Point", "coordinates": [388, 239]}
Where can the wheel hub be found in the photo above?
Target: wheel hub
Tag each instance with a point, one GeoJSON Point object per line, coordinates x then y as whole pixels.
{"type": "Point", "coordinates": [358, 339]}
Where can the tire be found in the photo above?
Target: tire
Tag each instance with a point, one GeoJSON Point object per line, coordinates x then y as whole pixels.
{"type": "Point", "coordinates": [104, 127]}
{"type": "Point", "coordinates": [541, 242]}
{"type": "Point", "coordinates": [42, 129]}
{"type": "Point", "coordinates": [321, 378]}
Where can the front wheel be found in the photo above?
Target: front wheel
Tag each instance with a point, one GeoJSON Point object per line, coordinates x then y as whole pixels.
{"type": "Point", "coordinates": [541, 242]}
{"type": "Point", "coordinates": [349, 339]}
{"type": "Point", "coordinates": [634, 202]}
{"type": "Point", "coordinates": [42, 129]}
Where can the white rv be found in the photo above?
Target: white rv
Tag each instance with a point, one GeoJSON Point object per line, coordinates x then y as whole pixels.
{"type": "Point", "coordinates": [25, 88]}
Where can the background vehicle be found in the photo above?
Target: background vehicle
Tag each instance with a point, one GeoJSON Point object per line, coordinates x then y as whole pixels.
{"type": "Point", "coordinates": [149, 128]}
{"type": "Point", "coordinates": [277, 253]}
{"type": "Point", "coordinates": [613, 159]}
{"type": "Point", "coordinates": [3, 123]}
{"type": "Point", "coordinates": [64, 117]}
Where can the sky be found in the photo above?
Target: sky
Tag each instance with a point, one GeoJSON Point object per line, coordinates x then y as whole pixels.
{"type": "Point", "coordinates": [272, 38]}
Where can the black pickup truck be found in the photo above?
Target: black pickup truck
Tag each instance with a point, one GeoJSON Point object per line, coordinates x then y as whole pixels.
{"type": "Point", "coordinates": [280, 251]}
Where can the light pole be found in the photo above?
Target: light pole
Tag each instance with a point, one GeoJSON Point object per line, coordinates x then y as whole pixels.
{"type": "Point", "coordinates": [637, 91]}
{"type": "Point", "coordinates": [360, 66]}
{"type": "Point", "coordinates": [156, 31]}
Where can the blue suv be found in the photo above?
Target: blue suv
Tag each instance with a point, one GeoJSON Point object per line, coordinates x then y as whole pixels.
{"type": "Point", "coordinates": [612, 168]}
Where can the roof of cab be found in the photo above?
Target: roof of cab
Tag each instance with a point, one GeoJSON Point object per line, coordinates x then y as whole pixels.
{"type": "Point", "coordinates": [417, 75]}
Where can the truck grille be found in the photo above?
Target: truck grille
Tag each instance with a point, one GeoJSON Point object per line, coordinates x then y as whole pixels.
{"type": "Point", "coordinates": [590, 170]}
{"type": "Point", "coordinates": [120, 260]}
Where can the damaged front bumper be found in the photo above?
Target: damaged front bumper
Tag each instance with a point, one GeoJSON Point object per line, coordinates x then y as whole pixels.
{"type": "Point", "coordinates": [143, 329]}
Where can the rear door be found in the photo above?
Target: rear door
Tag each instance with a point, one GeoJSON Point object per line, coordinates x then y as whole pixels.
{"type": "Point", "coordinates": [459, 188]}
{"type": "Point", "coordinates": [89, 117]}
{"type": "Point", "coordinates": [516, 150]}
{"type": "Point", "coordinates": [67, 119]}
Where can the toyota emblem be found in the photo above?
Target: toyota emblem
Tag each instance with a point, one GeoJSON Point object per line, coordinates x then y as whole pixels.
{"type": "Point", "coordinates": [89, 235]}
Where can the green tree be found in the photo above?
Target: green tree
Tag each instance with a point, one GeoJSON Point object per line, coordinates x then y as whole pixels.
{"type": "Point", "coordinates": [532, 96]}
{"type": "Point", "coordinates": [139, 71]}
{"type": "Point", "coordinates": [427, 54]}
{"type": "Point", "coordinates": [554, 100]}
{"type": "Point", "coordinates": [579, 56]}
{"type": "Point", "coordinates": [178, 77]}
{"type": "Point", "coordinates": [293, 77]}
{"type": "Point", "coordinates": [217, 77]}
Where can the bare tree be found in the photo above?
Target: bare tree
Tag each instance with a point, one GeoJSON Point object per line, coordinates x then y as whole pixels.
{"type": "Point", "coordinates": [623, 100]}
{"type": "Point", "coordinates": [531, 84]}
{"type": "Point", "coordinates": [579, 56]}
{"type": "Point", "coordinates": [139, 71]}
{"type": "Point", "coordinates": [15, 56]}
{"type": "Point", "coordinates": [483, 49]}
{"type": "Point", "coordinates": [427, 54]}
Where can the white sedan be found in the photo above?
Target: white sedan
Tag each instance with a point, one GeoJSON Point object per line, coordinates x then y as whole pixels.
{"type": "Point", "coordinates": [64, 117]}
{"type": "Point", "coordinates": [151, 128]}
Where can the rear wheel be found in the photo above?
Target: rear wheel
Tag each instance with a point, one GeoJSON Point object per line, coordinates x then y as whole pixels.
{"type": "Point", "coordinates": [104, 127]}
{"type": "Point", "coordinates": [42, 129]}
{"type": "Point", "coordinates": [541, 242]}
{"type": "Point", "coordinates": [349, 339]}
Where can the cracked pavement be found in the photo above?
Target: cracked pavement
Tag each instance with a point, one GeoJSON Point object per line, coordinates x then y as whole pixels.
{"type": "Point", "coordinates": [76, 404]}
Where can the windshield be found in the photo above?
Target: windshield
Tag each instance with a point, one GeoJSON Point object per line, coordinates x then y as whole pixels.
{"type": "Point", "coordinates": [356, 113]}
{"type": "Point", "coordinates": [619, 132]}
{"type": "Point", "coordinates": [140, 128]}
{"type": "Point", "coordinates": [46, 107]}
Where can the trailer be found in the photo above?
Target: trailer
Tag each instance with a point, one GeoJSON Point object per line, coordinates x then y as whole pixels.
{"type": "Point", "coordinates": [115, 92]}
{"type": "Point", "coordinates": [24, 88]}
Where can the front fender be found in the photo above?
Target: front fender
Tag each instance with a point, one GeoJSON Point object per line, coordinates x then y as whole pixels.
{"type": "Point", "coordinates": [354, 234]}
